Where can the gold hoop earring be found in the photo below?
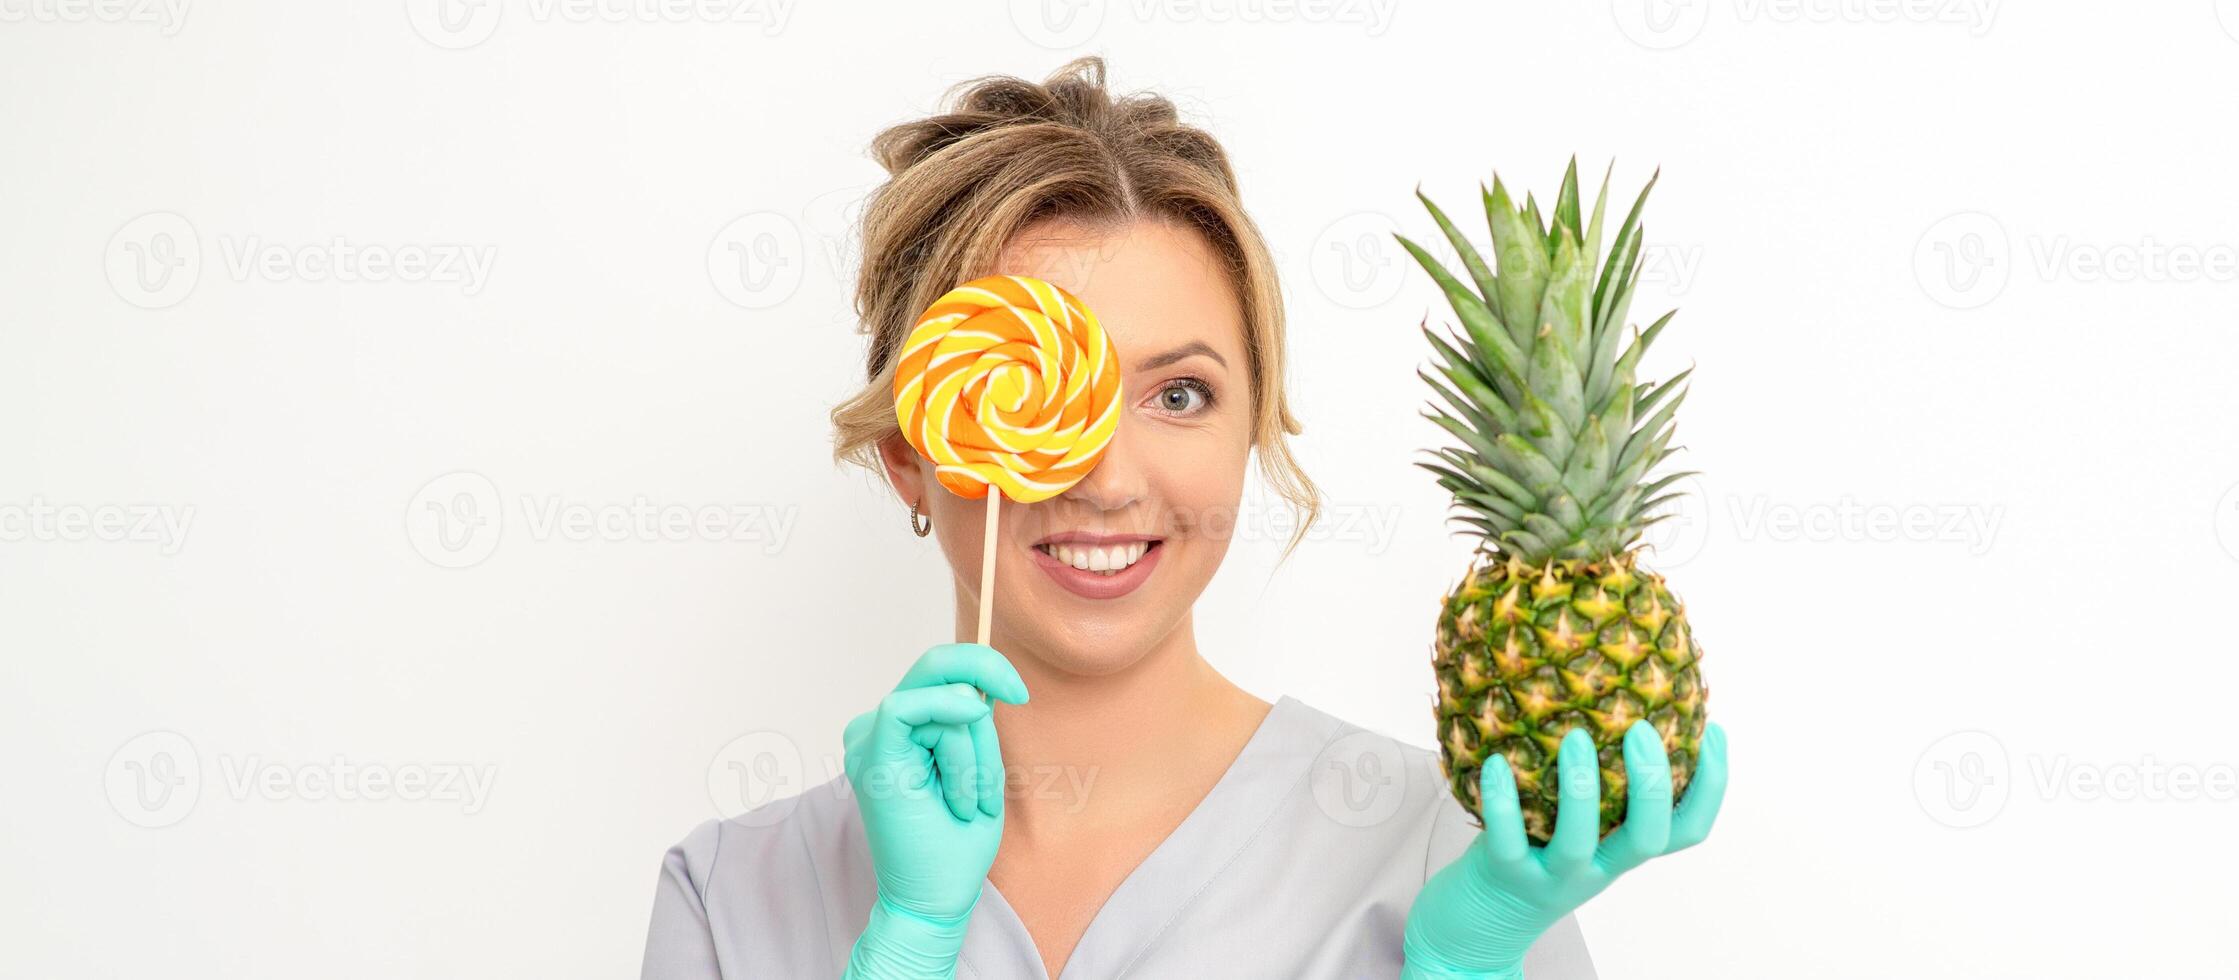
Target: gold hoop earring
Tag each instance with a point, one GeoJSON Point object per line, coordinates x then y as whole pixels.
{"type": "Point", "coordinates": [922, 530]}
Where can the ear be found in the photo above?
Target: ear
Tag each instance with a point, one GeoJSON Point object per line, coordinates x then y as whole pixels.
{"type": "Point", "coordinates": [905, 469]}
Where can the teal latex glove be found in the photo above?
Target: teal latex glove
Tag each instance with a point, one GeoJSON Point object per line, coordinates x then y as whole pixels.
{"type": "Point", "coordinates": [1477, 916]}
{"type": "Point", "coordinates": [927, 775]}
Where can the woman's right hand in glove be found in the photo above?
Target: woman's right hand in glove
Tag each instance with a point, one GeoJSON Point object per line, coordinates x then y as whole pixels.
{"type": "Point", "coordinates": [927, 775]}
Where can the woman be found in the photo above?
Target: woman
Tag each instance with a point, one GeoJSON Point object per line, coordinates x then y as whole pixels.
{"type": "Point", "coordinates": [1083, 833]}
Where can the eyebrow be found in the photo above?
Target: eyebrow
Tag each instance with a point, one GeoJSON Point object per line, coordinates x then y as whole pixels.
{"type": "Point", "coordinates": [1194, 347]}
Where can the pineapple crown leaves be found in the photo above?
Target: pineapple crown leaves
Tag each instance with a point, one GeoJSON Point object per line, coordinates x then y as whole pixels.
{"type": "Point", "coordinates": [1557, 435]}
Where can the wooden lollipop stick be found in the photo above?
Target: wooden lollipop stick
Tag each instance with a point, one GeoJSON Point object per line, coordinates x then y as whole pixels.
{"type": "Point", "coordinates": [987, 566]}
{"type": "Point", "coordinates": [987, 573]}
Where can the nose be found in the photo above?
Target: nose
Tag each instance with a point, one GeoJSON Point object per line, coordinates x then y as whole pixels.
{"type": "Point", "coordinates": [1118, 479]}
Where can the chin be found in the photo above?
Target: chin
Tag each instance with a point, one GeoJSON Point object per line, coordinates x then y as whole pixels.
{"type": "Point", "coordinates": [1096, 622]}
{"type": "Point", "coordinates": [1091, 656]}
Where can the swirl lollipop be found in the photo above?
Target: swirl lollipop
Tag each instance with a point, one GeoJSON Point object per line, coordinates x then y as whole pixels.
{"type": "Point", "coordinates": [1011, 388]}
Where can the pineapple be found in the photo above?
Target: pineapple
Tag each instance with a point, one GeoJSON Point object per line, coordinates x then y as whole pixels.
{"type": "Point", "coordinates": [1557, 625]}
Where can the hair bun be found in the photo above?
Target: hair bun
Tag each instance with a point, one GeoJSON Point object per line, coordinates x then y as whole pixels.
{"type": "Point", "coordinates": [1074, 97]}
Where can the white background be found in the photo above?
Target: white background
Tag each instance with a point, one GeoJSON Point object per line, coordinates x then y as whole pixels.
{"type": "Point", "coordinates": [1962, 475]}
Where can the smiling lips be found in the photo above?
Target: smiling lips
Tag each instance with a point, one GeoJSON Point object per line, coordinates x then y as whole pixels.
{"type": "Point", "coordinates": [1089, 558]}
{"type": "Point", "coordinates": [1098, 566]}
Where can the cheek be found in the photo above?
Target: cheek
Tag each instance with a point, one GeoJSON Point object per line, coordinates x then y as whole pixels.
{"type": "Point", "coordinates": [960, 525]}
{"type": "Point", "coordinates": [1200, 478]}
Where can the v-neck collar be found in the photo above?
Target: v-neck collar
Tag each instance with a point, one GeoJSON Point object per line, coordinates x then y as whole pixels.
{"type": "Point", "coordinates": [1271, 765]}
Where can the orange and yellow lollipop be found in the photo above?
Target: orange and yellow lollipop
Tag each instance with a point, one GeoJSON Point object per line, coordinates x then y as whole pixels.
{"type": "Point", "coordinates": [1007, 383]}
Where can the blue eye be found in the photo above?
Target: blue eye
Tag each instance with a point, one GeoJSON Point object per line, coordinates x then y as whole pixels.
{"type": "Point", "coordinates": [1184, 396]}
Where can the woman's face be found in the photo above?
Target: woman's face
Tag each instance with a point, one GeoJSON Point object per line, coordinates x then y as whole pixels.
{"type": "Point", "coordinates": [1161, 503]}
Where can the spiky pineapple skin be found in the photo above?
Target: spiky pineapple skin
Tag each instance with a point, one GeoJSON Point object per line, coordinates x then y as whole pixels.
{"type": "Point", "coordinates": [1524, 654]}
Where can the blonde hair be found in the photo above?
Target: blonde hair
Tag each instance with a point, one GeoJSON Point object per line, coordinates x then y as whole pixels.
{"type": "Point", "coordinates": [1008, 153]}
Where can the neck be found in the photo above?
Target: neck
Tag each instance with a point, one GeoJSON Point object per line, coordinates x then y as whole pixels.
{"type": "Point", "coordinates": [1102, 752]}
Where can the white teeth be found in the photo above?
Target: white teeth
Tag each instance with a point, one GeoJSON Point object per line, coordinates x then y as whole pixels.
{"type": "Point", "coordinates": [1106, 560]}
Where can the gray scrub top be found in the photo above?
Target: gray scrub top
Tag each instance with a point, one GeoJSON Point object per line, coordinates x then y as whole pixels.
{"type": "Point", "coordinates": [1300, 863]}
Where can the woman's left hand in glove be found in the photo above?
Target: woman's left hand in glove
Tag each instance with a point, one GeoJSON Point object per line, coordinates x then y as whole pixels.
{"type": "Point", "coordinates": [1476, 917]}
